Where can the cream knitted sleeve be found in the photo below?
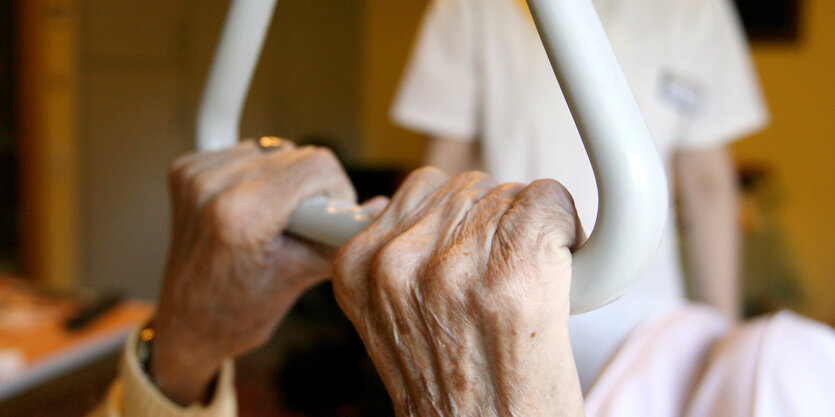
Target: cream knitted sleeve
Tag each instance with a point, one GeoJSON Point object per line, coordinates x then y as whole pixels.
{"type": "Point", "coordinates": [134, 395]}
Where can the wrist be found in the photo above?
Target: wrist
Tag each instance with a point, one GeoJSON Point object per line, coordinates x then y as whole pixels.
{"type": "Point", "coordinates": [182, 370]}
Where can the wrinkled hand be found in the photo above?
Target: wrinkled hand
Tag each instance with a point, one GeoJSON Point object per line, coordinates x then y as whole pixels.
{"type": "Point", "coordinates": [460, 292]}
{"type": "Point", "coordinates": [232, 275]}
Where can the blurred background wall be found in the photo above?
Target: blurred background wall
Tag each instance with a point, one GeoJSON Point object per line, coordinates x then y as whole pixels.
{"type": "Point", "coordinates": [799, 147]}
{"type": "Point", "coordinates": [8, 150]}
{"type": "Point", "coordinates": [389, 28]}
{"type": "Point", "coordinates": [144, 64]}
{"type": "Point", "coordinates": [328, 74]}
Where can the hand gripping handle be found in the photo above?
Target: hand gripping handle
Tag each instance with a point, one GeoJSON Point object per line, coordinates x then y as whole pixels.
{"type": "Point", "coordinates": [631, 182]}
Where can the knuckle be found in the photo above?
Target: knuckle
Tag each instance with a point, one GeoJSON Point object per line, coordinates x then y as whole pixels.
{"type": "Point", "coordinates": [393, 265]}
{"type": "Point", "coordinates": [390, 257]}
{"type": "Point", "coordinates": [200, 183]}
{"type": "Point", "coordinates": [344, 262]}
{"type": "Point", "coordinates": [469, 177]}
{"type": "Point", "coordinates": [350, 273]}
{"type": "Point", "coordinates": [470, 185]}
{"type": "Point", "coordinates": [182, 161]}
{"type": "Point", "coordinates": [552, 194]}
{"type": "Point", "coordinates": [415, 189]}
{"type": "Point", "coordinates": [508, 191]}
{"type": "Point", "coordinates": [348, 296]}
{"type": "Point", "coordinates": [321, 167]}
{"type": "Point", "coordinates": [425, 175]}
{"type": "Point", "coordinates": [544, 217]}
{"type": "Point", "coordinates": [427, 171]}
{"type": "Point", "coordinates": [178, 169]}
{"type": "Point", "coordinates": [558, 215]}
{"type": "Point", "coordinates": [346, 299]}
{"type": "Point", "coordinates": [449, 274]}
{"type": "Point", "coordinates": [451, 263]}
{"type": "Point", "coordinates": [321, 159]}
{"type": "Point", "coordinates": [224, 214]}
{"type": "Point", "coordinates": [218, 212]}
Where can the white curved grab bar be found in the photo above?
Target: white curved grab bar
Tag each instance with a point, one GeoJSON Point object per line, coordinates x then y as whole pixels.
{"type": "Point", "coordinates": [218, 120]}
{"type": "Point", "coordinates": [631, 181]}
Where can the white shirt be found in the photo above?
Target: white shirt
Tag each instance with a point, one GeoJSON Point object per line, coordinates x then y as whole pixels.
{"type": "Point", "coordinates": [688, 361]}
{"type": "Point", "coordinates": [479, 71]}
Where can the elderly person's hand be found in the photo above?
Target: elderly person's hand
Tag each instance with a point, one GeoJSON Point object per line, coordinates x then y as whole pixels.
{"type": "Point", "coordinates": [231, 274]}
{"type": "Point", "coordinates": [460, 292]}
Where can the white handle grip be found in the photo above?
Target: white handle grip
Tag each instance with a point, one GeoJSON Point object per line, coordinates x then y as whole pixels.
{"type": "Point", "coordinates": [328, 221]}
{"type": "Point", "coordinates": [631, 182]}
{"type": "Point", "coordinates": [630, 178]}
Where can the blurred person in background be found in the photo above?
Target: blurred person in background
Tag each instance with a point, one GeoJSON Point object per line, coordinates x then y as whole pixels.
{"type": "Point", "coordinates": [480, 86]}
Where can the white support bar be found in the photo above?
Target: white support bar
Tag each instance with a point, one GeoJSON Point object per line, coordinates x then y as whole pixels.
{"type": "Point", "coordinates": [218, 120]}
{"type": "Point", "coordinates": [630, 177]}
{"type": "Point", "coordinates": [631, 183]}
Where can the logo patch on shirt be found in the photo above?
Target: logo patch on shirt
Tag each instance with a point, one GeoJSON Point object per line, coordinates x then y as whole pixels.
{"type": "Point", "coordinates": [683, 94]}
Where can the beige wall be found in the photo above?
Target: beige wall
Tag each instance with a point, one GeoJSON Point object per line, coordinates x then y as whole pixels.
{"type": "Point", "coordinates": [799, 84]}
{"type": "Point", "coordinates": [47, 112]}
{"type": "Point", "coordinates": [389, 29]}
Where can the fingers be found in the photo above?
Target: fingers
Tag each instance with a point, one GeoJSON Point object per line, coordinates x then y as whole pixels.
{"type": "Point", "coordinates": [453, 202]}
{"type": "Point", "coordinates": [198, 177]}
{"type": "Point", "coordinates": [417, 186]}
{"type": "Point", "coordinates": [376, 272]}
{"type": "Point", "coordinates": [377, 203]}
{"type": "Point", "coordinates": [247, 194]}
{"type": "Point", "coordinates": [459, 264]}
{"type": "Point", "coordinates": [433, 209]}
{"type": "Point", "coordinates": [439, 231]}
{"type": "Point", "coordinates": [193, 164]}
{"type": "Point", "coordinates": [256, 210]}
{"type": "Point", "coordinates": [543, 216]}
{"type": "Point", "coordinates": [483, 220]}
{"type": "Point", "coordinates": [197, 161]}
{"type": "Point", "coordinates": [423, 236]}
{"type": "Point", "coordinates": [436, 218]}
{"type": "Point", "coordinates": [445, 276]}
{"type": "Point", "coordinates": [531, 248]}
{"type": "Point", "coordinates": [353, 261]}
{"type": "Point", "coordinates": [450, 262]}
{"type": "Point", "coordinates": [421, 218]}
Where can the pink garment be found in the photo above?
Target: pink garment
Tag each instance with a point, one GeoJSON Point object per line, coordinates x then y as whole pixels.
{"type": "Point", "coordinates": [688, 361]}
